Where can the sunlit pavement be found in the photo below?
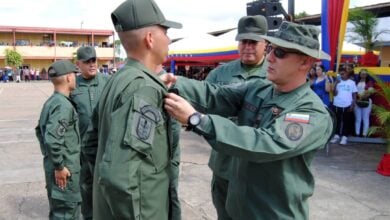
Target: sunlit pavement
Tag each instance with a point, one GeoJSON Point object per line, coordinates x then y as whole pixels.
{"type": "Point", "coordinates": [347, 186]}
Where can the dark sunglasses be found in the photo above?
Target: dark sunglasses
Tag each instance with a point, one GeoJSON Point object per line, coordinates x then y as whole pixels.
{"type": "Point", "coordinates": [279, 52]}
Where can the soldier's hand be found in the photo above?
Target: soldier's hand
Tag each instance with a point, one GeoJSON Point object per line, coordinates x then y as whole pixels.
{"type": "Point", "coordinates": [168, 79]}
{"type": "Point", "coordinates": [178, 107]}
{"type": "Point", "coordinates": [61, 177]}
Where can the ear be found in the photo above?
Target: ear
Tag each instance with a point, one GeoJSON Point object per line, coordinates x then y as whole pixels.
{"type": "Point", "coordinates": [307, 62]}
{"type": "Point", "coordinates": [68, 78]}
{"type": "Point", "coordinates": [149, 40]}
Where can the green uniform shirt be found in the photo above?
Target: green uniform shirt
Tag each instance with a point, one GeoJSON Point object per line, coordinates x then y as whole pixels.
{"type": "Point", "coordinates": [85, 96]}
{"type": "Point", "coordinates": [273, 146]}
{"type": "Point", "coordinates": [228, 74]}
{"type": "Point", "coordinates": [131, 178]}
{"type": "Point", "coordinates": [59, 139]}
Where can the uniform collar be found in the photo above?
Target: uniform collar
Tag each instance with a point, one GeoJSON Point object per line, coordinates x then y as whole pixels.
{"type": "Point", "coordinates": [82, 81]}
{"type": "Point", "coordinates": [135, 63]}
{"type": "Point", "coordinates": [247, 70]}
{"type": "Point", "coordinates": [61, 94]}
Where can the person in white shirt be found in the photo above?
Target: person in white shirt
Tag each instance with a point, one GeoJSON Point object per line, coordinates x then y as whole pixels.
{"type": "Point", "coordinates": [37, 74]}
{"type": "Point", "coordinates": [343, 104]}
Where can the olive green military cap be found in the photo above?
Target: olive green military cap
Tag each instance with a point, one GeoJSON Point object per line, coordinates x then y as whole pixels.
{"type": "Point", "coordinates": [86, 53]}
{"type": "Point", "coordinates": [135, 14]}
{"type": "Point", "coordinates": [252, 28]}
{"type": "Point", "coordinates": [61, 67]}
{"type": "Point", "coordinates": [299, 37]}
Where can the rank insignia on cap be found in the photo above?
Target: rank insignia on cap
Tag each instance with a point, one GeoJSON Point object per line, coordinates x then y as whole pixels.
{"type": "Point", "coordinates": [294, 131]}
{"type": "Point", "coordinates": [296, 117]}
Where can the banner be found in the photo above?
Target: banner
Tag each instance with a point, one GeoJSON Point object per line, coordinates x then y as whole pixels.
{"type": "Point", "coordinates": [333, 24]}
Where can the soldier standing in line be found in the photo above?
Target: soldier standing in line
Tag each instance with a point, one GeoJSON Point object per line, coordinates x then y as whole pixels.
{"type": "Point", "coordinates": [59, 138]}
{"type": "Point", "coordinates": [134, 153]}
{"type": "Point", "coordinates": [251, 65]}
{"type": "Point", "coordinates": [89, 86]}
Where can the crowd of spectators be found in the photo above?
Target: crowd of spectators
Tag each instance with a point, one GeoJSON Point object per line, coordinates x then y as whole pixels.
{"type": "Point", "coordinates": [23, 74]}
{"type": "Point", "coordinates": [348, 95]}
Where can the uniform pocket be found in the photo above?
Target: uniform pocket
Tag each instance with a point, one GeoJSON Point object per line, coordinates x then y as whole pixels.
{"type": "Point", "coordinates": [120, 186]}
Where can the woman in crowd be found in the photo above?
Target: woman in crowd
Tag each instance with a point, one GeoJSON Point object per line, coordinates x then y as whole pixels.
{"type": "Point", "coordinates": [365, 88]}
{"type": "Point", "coordinates": [311, 76]}
{"type": "Point", "coordinates": [344, 101]}
{"type": "Point", "coordinates": [322, 85]}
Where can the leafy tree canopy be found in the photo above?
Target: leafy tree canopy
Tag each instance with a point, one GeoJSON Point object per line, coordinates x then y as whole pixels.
{"type": "Point", "coordinates": [13, 58]}
{"type": "Point", "coordinates": [364, 27]}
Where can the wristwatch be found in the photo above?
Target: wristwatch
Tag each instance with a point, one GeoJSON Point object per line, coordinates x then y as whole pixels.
{"type": "Point", "coordinates": [193, 121]}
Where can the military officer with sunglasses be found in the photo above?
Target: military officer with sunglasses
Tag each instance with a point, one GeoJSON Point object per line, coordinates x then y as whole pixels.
{"type": "Point", "coordinates": [280, 127]}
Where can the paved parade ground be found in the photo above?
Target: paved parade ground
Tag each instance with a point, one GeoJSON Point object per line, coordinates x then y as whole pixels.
{"type": "Point", "coordinates": [347, 186]}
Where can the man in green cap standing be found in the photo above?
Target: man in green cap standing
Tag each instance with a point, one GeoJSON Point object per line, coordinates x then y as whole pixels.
{"type": "Point", "coordinates": [90, 84]}
{"type": "Point", "coordinates": [250, 66]}
{"type": "Point", "coordinates": [59, 139]}
{"type": "Point", "coordinates": [131, 179]}
{"type": "Point", "coordinates": [280, 127]}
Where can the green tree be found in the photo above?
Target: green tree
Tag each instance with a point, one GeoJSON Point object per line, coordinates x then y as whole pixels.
{"type": "Point", "coordinates": [382, 112]}
{"type": "Point", "coordinates": [301, 15]}
{"type": "Point", "coordinates": [12, 58]}
{"type": "Point", "coordinates": [364, 27]}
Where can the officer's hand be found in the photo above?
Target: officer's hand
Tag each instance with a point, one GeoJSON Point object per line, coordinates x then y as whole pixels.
{"type": "Point", "coordinates": [178, 107]}
{"type": "Point", "coordinates": [168, 79]}
{"type": "Point", "coordinates": [61, 177]}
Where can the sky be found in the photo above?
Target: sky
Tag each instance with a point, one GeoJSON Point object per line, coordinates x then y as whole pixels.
{"type": "Point", "coordinates": [197, 16]}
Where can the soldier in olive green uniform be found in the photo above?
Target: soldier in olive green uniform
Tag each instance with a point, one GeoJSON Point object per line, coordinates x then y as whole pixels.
{"type": "Point", "coordinates": [131, 179]}
{"type": "Point", "coordinates": [250, 66]}
{"type": "Point", "coordinates": [90, 85]}
{"type": "Point", "coordinates": [280, 127]}
{"type": "Point", "coordinates": [59, 138]}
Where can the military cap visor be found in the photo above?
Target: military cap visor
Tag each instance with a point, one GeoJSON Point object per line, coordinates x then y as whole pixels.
{"type": "Point", "coordinates": [61, 67]}
{"type": "Point", "coordinates": [135, 14]}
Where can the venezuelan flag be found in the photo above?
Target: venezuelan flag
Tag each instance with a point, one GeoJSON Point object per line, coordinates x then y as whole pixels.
{"type": "Point", "coordinates": [334, 18]}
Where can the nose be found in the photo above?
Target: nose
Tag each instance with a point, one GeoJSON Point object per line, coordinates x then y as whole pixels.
{"type": "Point", "coordinates": [270, 56]}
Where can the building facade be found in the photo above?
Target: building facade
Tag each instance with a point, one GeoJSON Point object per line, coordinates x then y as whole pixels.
{"type": "Point", "coordinates": [40, 46]}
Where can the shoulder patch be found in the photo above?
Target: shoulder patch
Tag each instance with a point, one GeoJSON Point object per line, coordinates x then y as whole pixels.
{"type": "Point", "coordinates": [297, 117]}
{"type": "Point", "coordinates": [61, 130]}
{"type": "Point", "coordinates": [152, 112]}
{"type": "Point", "coordinates": [144, 128]}
{"type": "Point", "coordinates": [294, 131]}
